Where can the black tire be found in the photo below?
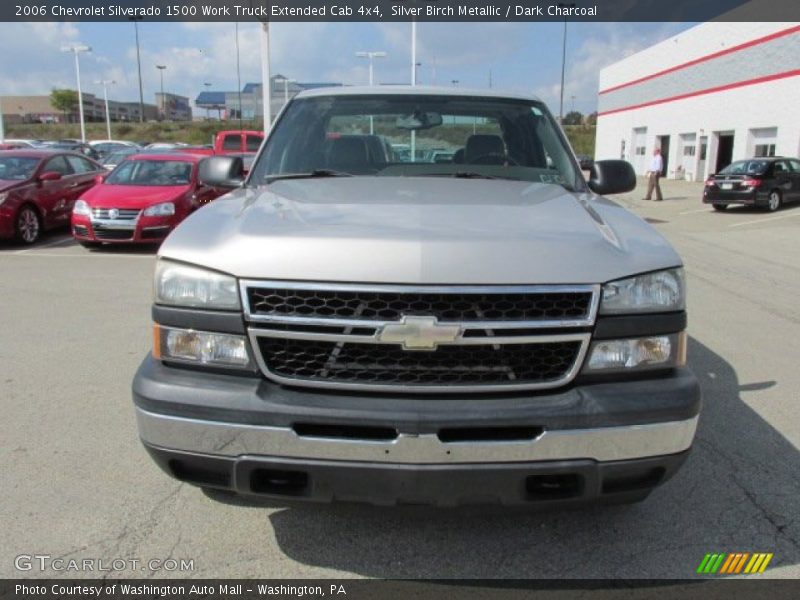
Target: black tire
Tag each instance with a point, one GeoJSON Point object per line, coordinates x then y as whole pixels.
{"type": "Point", "coordinates": [720, 207]}
{"type": "Point", "coordinates": [774, 200]}
{"type": "Point", "coordinates": [89, 245]}
{"type": "Point", "coordinates": [27, 225]}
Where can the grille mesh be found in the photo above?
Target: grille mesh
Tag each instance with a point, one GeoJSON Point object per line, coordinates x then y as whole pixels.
{"type": "Point", "coordinates": [390, 364]}
{"type": "Point", "coordinates": [393, 306]}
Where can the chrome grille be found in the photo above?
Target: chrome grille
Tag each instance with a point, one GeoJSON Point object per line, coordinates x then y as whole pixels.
{"type": "Point", "coordinates": [419, 338]}
{"type": "Point", "coordinates": [123, 214]}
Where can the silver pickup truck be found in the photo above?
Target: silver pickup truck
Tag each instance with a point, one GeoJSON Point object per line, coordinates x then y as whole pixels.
{"type": "Point", "coordinates": [415, 297]}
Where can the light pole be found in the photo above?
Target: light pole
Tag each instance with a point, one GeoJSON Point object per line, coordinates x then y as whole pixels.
{"type": "Point", "coordinates": [208, 116]}
{"type": "Point", "coordinates": [238, 76]}
{"type": "Point", "coordinates": [573, 102]}
{"type": "Point", "coordinates": [161, 69]}
{"type": "Point", "coordinates": [77, 49]}
{"type": "Point", "coordinates": [417, 65]}
{"type": "Point", "coordinates": [454, 82]}
{"type": "Point", "coordinates": [105, 83]}
{"type": "Point", "coordinates": [370, 56]}
{"type": "Point", "coordinates": [138, 67]}
{"type": "Point", "coordinates": [285, 83]}
{"type": "Point", "coordinates": [266, 84]}
{"type": "Point", "coordinates": [563, 63]}
{"type": "Point", "coordinates": [413, 52]}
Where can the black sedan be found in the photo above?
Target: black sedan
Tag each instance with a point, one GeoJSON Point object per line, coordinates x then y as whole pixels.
{"type": "Point", "coordinates": [762, 182]}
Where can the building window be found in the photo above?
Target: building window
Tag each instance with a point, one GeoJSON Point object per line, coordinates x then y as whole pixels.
{"type": "Point", "coordinates": [689, 150]}
{"type": "Point", "coordinates": [764, 150]}
{"type": "Point", "coordinates": [641, 150]}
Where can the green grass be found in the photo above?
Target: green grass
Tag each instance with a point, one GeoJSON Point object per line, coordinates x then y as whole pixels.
{"type": "Point", "coordinates": [582, 138]}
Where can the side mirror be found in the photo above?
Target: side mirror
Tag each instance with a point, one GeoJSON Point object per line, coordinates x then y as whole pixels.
{"type": "Point", "coordinates": [50, 176]}
{"type": "Point", "coordinates": [98, 179]}
{"type": "Point", "coordinates": [221, 171]}
{"type": "Point", "coordinates": [612, 177]}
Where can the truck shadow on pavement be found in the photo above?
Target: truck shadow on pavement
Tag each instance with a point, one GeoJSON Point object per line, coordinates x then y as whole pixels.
{"type": "Point", "coordinates": [737, 492]}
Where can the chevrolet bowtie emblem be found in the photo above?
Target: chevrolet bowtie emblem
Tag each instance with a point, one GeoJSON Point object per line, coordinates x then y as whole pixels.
{"type": "Point", "coordinates": [419, 333]}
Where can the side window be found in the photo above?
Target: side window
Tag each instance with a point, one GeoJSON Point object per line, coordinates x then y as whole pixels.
{"type": "Point", "coordinates": [232, 142]}
{"type": "Point", "coordinates": [794, 165]}
{"type": "Point", "coordinates": [780, 167]}
{"type": "Point", "coordinates": [57, 164]}
{"type": "Point", "coordinates": [253, 143]}
{"type": "Point", "coordinates": [80, 165]}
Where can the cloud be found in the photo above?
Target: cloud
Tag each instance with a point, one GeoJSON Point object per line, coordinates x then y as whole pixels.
{"type": "Point", "coordinates": [28, 44]}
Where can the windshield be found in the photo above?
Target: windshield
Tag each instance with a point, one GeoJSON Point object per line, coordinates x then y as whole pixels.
{"type": "Point", "coordinates": [745, 167]}
{"type": "Point", "coordinates": [17, 168]}
{"type": "Point", "coordinates": [418, 135]}
{"type": "Point", "coordinates": [151, 172]}
{"type": "Point", "coordinates": [117, 157]}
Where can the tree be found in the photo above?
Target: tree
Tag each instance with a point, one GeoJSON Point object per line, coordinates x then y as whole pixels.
{"type": "Point", "coordinates": [592, 119]}
{"type": "Point", "coordinates": [573, 118]}
{"type": "Point", "coordinates": [64, 100]}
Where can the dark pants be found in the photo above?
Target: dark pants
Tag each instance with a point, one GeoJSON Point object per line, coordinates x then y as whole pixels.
{"type": "Point", "coordinates": [652, 183]}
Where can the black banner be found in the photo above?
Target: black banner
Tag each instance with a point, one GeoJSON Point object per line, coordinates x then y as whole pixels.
{"type": "Point", "coordinates": [400, 10]}
{"type": "Point", "coordinates": [255, 589]}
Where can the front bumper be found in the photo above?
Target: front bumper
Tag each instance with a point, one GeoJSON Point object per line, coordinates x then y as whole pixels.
{"type": "Point", "coordinates": [588, 442]}
{"type": "Point", "coordinates": [146, 230]}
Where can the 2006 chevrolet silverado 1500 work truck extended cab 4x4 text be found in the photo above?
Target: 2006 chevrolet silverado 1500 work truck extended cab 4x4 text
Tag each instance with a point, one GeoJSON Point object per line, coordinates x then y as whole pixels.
{"type": "Point", "coordinates": [415, 297]}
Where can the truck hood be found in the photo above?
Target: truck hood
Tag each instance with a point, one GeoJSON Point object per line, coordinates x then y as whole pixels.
{"type": "Point", "coordinates": [424, 230]}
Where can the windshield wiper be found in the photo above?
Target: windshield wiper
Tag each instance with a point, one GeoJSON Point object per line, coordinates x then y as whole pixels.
{"type": "Point", "coordinates": [463, 175]}
{"type": "Point", "coordinates": [316, 173]}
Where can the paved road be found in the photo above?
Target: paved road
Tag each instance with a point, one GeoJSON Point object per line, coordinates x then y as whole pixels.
{"type": "Point", "coordinates": [77, 484]}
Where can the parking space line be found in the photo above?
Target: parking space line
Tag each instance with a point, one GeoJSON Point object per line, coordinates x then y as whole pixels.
{"type": "Point", "coordinates": [765, 220]}
{"type": "Point", "coordinates": [691, 212]}
{"type": "Point", "coordinates": [60, 240]}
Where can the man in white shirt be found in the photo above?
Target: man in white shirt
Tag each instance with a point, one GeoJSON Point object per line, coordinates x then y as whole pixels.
{"type": "Point", "coordinates": [654, 174]}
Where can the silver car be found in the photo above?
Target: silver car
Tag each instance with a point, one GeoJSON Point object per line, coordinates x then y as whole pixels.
{"type": "Point", "coordinates": [483, 327]}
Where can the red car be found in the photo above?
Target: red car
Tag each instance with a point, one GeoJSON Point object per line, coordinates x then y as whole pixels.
{"type": "Point", "coordinates": [141, 200]}
{"type": "Point", "coordinates": [38, 189]}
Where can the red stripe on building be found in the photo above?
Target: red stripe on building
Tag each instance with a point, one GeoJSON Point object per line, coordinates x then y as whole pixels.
{"type": "Point", "coordinates": [750, 44]}
{"type": "Point", "coordinates": [721, 88]}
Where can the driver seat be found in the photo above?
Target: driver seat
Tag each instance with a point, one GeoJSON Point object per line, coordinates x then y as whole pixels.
{"type": "Point", "coordinates": [480, 145]}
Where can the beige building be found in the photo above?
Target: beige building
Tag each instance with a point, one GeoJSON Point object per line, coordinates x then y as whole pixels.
{"type": "Point", "coordinates": [37, 109]}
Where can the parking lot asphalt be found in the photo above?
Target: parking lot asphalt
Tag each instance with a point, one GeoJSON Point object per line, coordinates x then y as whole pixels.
{"type": "Point", "coordinates": [77, 484]}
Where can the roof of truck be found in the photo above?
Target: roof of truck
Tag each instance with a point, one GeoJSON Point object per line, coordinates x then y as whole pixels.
{"type": "Point", "coordinates": [383, 90]}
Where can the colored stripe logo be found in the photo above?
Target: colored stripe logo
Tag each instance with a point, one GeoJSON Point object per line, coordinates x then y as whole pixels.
{"type": "Point", "coordinates": [734, 563]}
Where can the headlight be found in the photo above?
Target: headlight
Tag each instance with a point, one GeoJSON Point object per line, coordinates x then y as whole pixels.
{"type": "Point", "coordinates": [182, 285]}
{"type": "Point", "coordinates": [660, 351]}
{"type": "Point", "coordinates": [3, 197]}
{"type": "Point", "coordinates": [165, 209]}
{"type": "Point", "coordinates": [201, 348]}
{"type": "Point", "coordinates": [82, 208]}
{"type": "Point", "coordinates": [663, 291]}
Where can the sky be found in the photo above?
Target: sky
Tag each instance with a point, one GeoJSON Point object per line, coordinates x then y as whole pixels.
{"type": "Point", "coordinates": [521, 57]}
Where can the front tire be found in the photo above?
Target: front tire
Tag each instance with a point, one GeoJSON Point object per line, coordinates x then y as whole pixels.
{"type": "Point", "coordinates": [720, 207]}
{"type": "Point", "coordinates": [27, 225]}
{"type": "Point", "coordinates": [774, 200]}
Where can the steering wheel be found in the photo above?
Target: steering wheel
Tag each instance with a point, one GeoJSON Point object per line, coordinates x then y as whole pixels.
{"type": "Point", "coordinates": [490, 157]}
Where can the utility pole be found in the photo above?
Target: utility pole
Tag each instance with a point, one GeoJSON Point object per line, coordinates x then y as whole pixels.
{"type": "Point", "coordinates": [563, 63]}
{"type": "Point", "coordinates": [139, 67]}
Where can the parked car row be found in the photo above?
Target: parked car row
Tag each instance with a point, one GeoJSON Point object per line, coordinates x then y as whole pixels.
{"type": "Point", "coordinates": [140, 201]}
